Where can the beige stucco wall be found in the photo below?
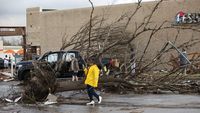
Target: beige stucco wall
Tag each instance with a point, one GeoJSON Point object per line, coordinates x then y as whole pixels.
{"type": "Point", "coordinates": [46, 29]}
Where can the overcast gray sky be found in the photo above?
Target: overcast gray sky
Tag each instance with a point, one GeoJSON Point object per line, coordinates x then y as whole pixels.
{"type": "Point", "coordinates": [13, 12]}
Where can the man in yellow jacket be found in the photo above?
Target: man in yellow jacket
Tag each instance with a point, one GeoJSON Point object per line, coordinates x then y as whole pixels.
{"type": "Point", "coordinates": [92, 77]}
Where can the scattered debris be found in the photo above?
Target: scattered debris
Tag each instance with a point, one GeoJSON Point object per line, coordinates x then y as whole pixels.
{"type": "Point", "coordinates": [51, 99]}
{"type": "Point", "coordinates": [14, 100]}
{"type": "Point", "coordinates": [192, 69]}
{"type": "Point", "coordinates": [7, 74]}
{"type": "Point", "coordinates": [7, 80]}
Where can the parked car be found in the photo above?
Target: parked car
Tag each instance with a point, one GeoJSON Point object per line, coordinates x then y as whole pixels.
{"type": "Point", "coordinates": [23, 68]}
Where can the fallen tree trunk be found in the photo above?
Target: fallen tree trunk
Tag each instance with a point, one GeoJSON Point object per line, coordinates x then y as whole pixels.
{"type": "Point", "coordinates": [79, 85]}
{"type": "Point", "coordinates": [131, 85]}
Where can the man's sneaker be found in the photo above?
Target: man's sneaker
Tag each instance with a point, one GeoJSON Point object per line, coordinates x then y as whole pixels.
{"type": "Point", "coordinates": [91, 103]}
{"type": "Point", "coordinates": [100, 99]}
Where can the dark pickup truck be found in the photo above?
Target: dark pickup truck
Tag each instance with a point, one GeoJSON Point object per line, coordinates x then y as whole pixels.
{"type": "Point", "coordinates": [23, 68]}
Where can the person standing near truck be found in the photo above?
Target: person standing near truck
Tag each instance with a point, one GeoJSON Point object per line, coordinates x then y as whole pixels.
{"type": "Point", "coordinates": [6, 62]}
{"type": "Point", "coordinates": [9, 62]}
{"type": "Point", "coordinates": [74, 68]}
{"type": "Point", "coordinates": [183, 62]}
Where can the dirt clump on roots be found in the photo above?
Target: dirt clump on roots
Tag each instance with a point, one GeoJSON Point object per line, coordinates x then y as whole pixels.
{"type": "Point", "coordinates": [41, 83]}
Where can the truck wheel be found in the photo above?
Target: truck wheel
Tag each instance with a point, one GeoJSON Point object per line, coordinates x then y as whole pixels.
{"type": "Point", "coordinates": [27, 76]}
{"type": "Point", "coordinates": [57, 74]}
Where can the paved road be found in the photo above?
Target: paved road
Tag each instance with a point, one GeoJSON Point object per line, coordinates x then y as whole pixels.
{"type": "Point", "coordinates": [112, 103]}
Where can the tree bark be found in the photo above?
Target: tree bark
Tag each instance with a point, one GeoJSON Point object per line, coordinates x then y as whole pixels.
{"type": "Point", "coordinates": [79, 85]}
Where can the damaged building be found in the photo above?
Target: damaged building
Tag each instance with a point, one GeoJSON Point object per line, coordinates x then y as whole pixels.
{"type": "Point", "coordinates": [46, 28]}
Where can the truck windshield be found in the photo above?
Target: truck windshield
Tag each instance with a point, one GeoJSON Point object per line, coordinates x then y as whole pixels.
{"type": "Point", "coordinates": [51, 58]}
{"type": "Point", "coordinates": [67, 56]}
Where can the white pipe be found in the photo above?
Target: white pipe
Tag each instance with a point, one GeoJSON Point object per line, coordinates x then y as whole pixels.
{"type": "Point", "coordinates": [179, 51]}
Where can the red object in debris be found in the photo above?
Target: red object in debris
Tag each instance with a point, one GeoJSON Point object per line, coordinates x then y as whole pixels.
{"type": "Point", "coordinates": [181, 13]}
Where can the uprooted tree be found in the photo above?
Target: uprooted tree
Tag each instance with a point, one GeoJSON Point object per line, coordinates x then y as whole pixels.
{"type": "Point", "coordinates": [116, 40]}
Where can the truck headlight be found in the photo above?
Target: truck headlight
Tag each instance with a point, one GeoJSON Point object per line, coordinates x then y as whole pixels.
{"type": "Point", "coordinates": [19, 66]}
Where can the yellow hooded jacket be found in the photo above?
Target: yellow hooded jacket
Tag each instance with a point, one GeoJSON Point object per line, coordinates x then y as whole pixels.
{"type": "Point", "coordinates": [92, 75]}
